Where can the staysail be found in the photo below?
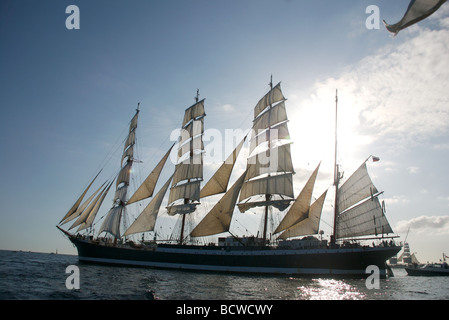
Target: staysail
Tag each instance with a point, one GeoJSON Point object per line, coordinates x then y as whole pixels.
{"type": "Point", "coordinates": [75, 210]}
{"type": "Point", "coordinates": [300, 208]}
{"type": "Point", "coordinates": [218, 220]}
{"type": "Point", "coordinates": [308, 225]}
{"type": "Point", "coordinates": [146, 189]}
{"type": "Point", "coordinates": [147, 219]}
{"type": "Point", "coordinates": [219, 181]}
{"type": "Point", "coordinates": [88, 216]}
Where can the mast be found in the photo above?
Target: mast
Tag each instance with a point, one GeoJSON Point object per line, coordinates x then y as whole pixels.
{"type": "Point", "coordinates": [336, 173]}
{"type": "Point", "coordinates": [186, 200]}
{"type": "Point", "coordinates": [270, 169]}
{"type": "Point", "coordinates": [357, 209]}
{"type": "Point", "coordinates": [267, 196]}
{"type": "Point", "coordinates": [111, 224]}
{"type": "Point", "coordinates": [189, 170]}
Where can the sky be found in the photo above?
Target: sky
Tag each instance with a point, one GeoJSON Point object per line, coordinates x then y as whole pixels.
{"type": "Point", "coordinates": [67, 96]}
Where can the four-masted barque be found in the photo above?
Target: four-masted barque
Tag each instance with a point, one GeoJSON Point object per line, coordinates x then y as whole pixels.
{"type": "Point", "coordinates": [265, 185]}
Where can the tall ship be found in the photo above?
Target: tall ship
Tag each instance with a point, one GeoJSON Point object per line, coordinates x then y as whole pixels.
{"type": "Point", "coordinates": [295, 246]}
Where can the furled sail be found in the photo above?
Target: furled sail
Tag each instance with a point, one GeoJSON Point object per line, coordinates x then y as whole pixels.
{"type": "Point", "coordinates": [111, 223]}
{"type": "Point", "coordinates": [218, 219]}
{"type": "Point", "coordinates": [219, 181]}
{"type": "Point", "coordinates": [310, 224]}
{"type": "Point", "coordinates": [146, 189]}
{"type": "Point", "coordinates": [300, 208]}
{"type": "Point", "coordinates": [184, 193]}
{"type": "Point", "coordinates": [75, 207]}
{"type": "Point", "coordinates": [147, 219]}
{"type": "Point", "coordinates": [358, 207]}
{"type": "Point", "coordinates": [270, 170]}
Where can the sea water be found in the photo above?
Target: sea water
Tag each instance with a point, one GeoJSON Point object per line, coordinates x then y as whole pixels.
{"type": "Point", "coordinates": [44, 276]}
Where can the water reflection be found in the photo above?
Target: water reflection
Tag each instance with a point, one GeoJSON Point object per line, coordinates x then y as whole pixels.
{"type": "Point", "coordinates": [329, 289]}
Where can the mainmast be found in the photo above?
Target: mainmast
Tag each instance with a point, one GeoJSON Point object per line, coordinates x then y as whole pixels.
{"type": "Point", "coordinates": [186, 200]}
{"type": "Point", "coordinates": [269, 178]}
{"type": "Point", "coordinates": [267, 196]}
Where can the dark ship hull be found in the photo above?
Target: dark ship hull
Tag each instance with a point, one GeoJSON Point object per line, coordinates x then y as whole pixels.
{"type": "Point", "coordinates": [258, 259]}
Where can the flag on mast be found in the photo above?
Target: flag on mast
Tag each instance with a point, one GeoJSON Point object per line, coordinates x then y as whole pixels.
{"type": "Point", "coordinates": [417, 10]}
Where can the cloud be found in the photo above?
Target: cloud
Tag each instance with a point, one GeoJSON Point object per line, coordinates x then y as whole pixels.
{"type": "Point", "coordinates": [401, 199]}
{"type": "Point", "coordinates": [398, 94]}
{"type": "Point", "coordinates": [413, 169]}
{"type": "Point", "coordinates": [425, 224]}
{"type": "Point", "coordinates": [228, 108]}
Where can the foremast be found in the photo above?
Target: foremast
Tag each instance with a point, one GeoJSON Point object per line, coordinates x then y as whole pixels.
{"type": "Point", "coordinates": [112, 221]}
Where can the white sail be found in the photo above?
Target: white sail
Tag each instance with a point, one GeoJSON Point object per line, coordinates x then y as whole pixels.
{"type": "Point", "coordinates": [147, 219]}
{"type": "Point", "coordinates": [272, 161]}
{"type": "Point", "coordinates": [300, 208]}
{"type": "Point", "coordinates": [193, 129]}
{"type": "Point", "coordinates": [263, 178]}
{"type": "Point", "coordinates": [83, 207]}
{"type": "Point", "coordinates": [219, 181]}
{"type": "Point", "coordinates": [364, 219]}
{"type": "Point", "coordinates": [184, 208]}
{"type": "Point", "coordinates": [262, 135]}
{"type": "Point", "coordinates": [124, 174]}
{"type": "Point", "coordinates": [83, 217]}
{"type": "Point", "coordinates": [111, 223]}
{"type": "Point", "coordinates": [189, 190]}
{"type": "Point", "coordinates": [358, 187]}
{"type": "Point", "coordinates": [273, 96]}
{"type": "Point", "coordinates": [146, 189]}
{"type": "Point", "coordinates": [194, 112]}
{"type": "Point", "coordinates": [185, 189]}
{"type": "Point", "coordinates": [279, 184]}
{"type": "Point", "coordinates": [78, 202]}
{"type": "Point", "coordinates": [218, 220]}
{"type": "Point", "coordinates": [92, 214]}
{"type": "Point", "coordinates": [269, 118]}
{"type": "Point", "coordinates": [310, 224]}
{"type": "Point", "coordinates": [190, 168]}
{"type": "Point", "coordinates": [194, 144]}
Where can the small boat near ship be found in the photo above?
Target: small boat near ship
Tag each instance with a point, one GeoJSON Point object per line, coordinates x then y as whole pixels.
{"type": "Point", "coordinates": [429, 269]}
{"type": "Point", "coordinates": [264, 186]}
